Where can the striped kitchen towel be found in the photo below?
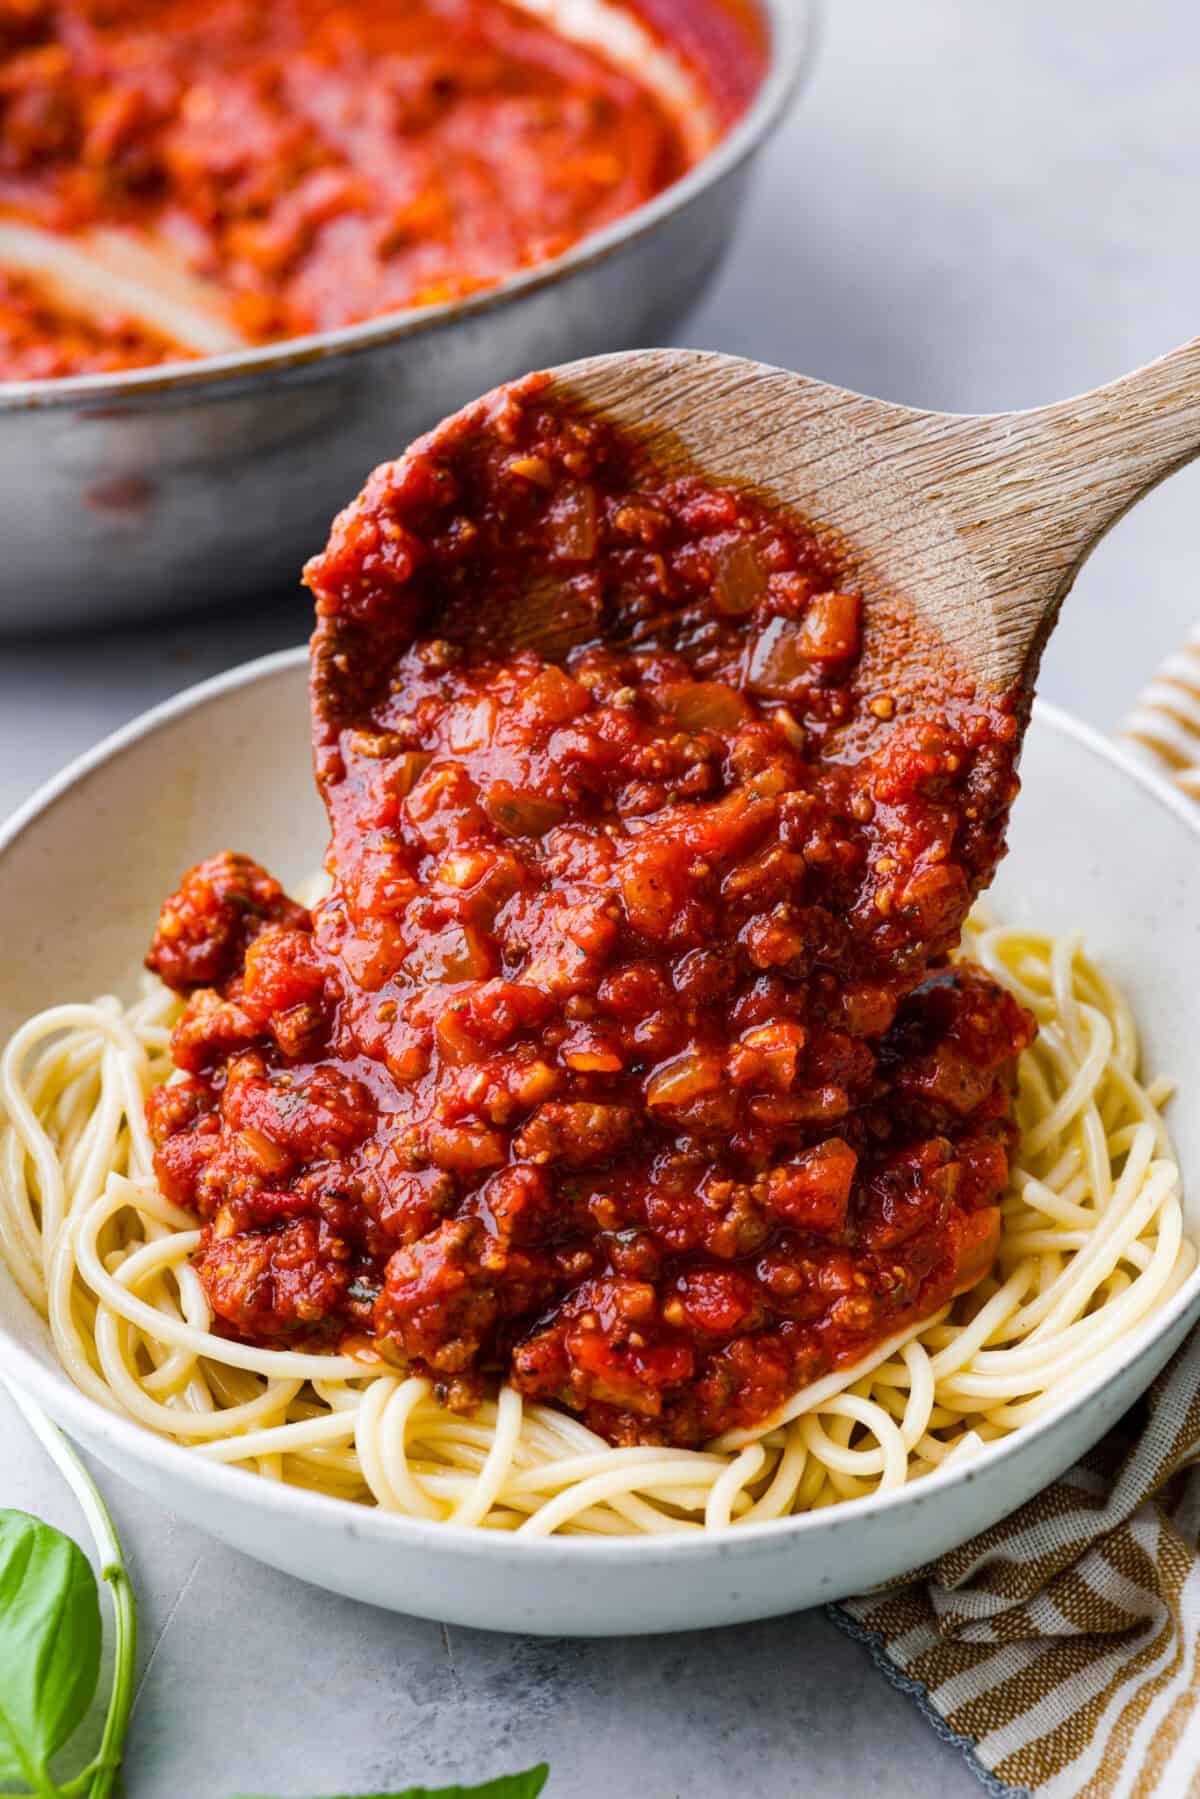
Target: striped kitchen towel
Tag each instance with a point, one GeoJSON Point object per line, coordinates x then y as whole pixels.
{"type": "Point", "coordinates": [1061, 1649]}
{"type": "Point", "coordinates": [1164, 726]}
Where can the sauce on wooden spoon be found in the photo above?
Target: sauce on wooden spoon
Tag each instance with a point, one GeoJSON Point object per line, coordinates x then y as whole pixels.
{"type": "Point", "coordinates": [624, 1059]}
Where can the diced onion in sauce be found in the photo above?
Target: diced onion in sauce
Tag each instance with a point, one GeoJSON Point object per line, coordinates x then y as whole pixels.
{"type": "Point", "coordinates": [593, 1061]}
{"type": "Point", "coordinates": [789, 727]}
{"type": "Point", "coordinates": [406, 771]}
{"type": "Point", "coordinates": [518, 813]}
{"type": "Point", "coordinates": [552, 698]}
{"type": "Point", "coordinates": [268, 1155]}
{"type": "Point", "coordinates": [472, 725]}
{"type": "Point", "coordinates": [739, 581]}
{"type": "Point", "coordinates": [831, 631]}
{"type": "Point", "coordinates": [705, 705]}
{"type": "Point", "coordinates": [684, 1078]}
{"type": "Point", "coordinates": [458, 953]}
{"type": "Point", "coordinates": [777, 663]}
{"type": "Point", "coordinates": [572, 523]}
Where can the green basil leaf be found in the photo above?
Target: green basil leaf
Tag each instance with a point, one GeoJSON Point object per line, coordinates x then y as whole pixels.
{"type": "Point", "coordinates": [506, 1786]}
{"type": "Point", "coordinates": [49, 1643]}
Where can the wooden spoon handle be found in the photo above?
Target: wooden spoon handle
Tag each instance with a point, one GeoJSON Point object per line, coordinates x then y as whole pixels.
{"type": "Point", "coordinates": [981, 522]}
{"type": "Point", "coordinates": [1031, 493]}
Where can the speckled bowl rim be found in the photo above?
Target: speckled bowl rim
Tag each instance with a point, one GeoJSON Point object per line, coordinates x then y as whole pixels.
{"type": "Point", "coordinates": [54, 1388]}
{"type": "Point", "coordinates": [794, 29]}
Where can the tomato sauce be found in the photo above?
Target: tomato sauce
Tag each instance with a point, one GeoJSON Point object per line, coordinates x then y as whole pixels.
{"type": "Point", "coordinates": [624, 1059]}
{"type": "Point", "coordinates": [40, 339]}
{"type": "Point", "coordinates": [326, 161]}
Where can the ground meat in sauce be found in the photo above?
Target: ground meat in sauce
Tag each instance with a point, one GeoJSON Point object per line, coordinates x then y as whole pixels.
{"type": "Point", "coordinates": [324, 163]}
{"type": "Point", "coordinates": [624, 1060]}
{"type": "Point", "coordinates": [41, 340]}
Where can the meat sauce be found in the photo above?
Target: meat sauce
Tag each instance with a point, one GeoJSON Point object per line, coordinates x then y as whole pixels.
{"type": "Point", "coordinates": [624, 1060]}
{"type": "Point", "coordinates": [40, 339]}
{"type": "Point", "coordinates": [325, 161]}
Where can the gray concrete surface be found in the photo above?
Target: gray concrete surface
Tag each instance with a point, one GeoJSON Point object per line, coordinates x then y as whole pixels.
{"type": "Point", "coordinates": [974, 207]}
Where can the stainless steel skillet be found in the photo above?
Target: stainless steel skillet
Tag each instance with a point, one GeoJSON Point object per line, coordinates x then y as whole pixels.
{"type": "Point", "coordinates": [152, 491]}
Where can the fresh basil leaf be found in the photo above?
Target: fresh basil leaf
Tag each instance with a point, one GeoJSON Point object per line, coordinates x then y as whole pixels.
{"type": "Point", "coordinates": [49, 1644]}
{"type": "Point", "coordinates": [506, 1786]}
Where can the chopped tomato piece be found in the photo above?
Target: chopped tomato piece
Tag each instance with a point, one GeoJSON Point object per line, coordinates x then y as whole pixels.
{"type": "Point", "coordinates": [813, 1192]}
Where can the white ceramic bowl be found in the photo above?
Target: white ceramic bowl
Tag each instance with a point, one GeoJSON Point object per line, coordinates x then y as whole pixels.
{"type": "Point", "coordinates": [1095, 842]}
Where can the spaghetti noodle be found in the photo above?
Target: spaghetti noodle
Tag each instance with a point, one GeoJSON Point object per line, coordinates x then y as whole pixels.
{"type": "Point", "coordinates": [1092, 1246]}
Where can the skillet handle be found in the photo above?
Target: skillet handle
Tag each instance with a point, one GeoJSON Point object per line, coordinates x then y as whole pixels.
{"type": "Point", "coordinates": [1163, 729]}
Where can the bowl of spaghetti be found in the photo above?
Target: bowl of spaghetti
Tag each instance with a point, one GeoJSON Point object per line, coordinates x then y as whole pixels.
{"type": "Point", "coordinates": [637, 1185]}
{"type": "Point", "coordinates": [245, 251]}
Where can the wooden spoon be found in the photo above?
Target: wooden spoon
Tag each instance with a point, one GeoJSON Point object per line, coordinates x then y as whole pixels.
{"type": "Point", "coordinates": [981, 523]}
{"type": "Point", "coordinates": [97, 273]}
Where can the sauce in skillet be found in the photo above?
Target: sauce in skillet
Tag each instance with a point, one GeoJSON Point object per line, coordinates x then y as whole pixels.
{"type": "Point", "coordinates": [325, 161]}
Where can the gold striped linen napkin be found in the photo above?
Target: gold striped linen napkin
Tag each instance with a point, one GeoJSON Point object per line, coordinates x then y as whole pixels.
{"type": "Point", "coordinates": [1060, 1651]}
{"type": "Point", "coordinates": [1164, 726]}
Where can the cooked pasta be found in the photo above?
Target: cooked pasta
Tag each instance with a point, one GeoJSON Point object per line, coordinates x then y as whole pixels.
{"type": "Point", "coordinates": [1093, 1245]}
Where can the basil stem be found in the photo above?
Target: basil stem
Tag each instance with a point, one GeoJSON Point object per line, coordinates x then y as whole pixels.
{"type": "Point", "coordinates": [101, 1772]}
